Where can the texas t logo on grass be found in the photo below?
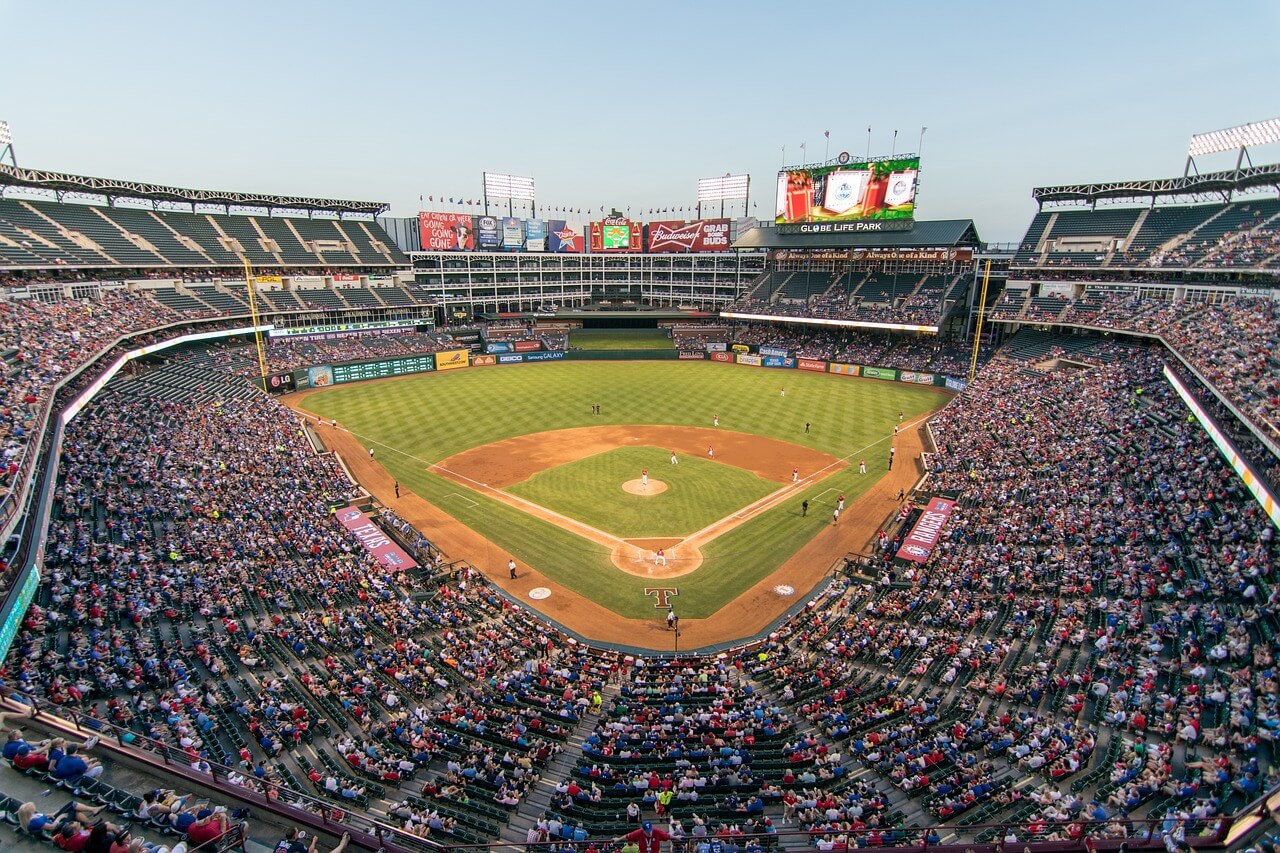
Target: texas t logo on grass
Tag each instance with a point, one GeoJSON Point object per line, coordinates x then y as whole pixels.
{"type": "Point", "coordinates": [664, 594]}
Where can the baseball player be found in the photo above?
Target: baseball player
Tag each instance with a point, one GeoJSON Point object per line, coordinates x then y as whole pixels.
{"type": "Point", "coordinates": [795, 475]}
{"type": "Point", "coordinates": [840, 502]}
{"type": "Point", "coordinates": [895, 429]}
{"type": "Point", "coordinates": [862, 467]}
{"type": "Point", "coordinates": [715, 420]}
{"type": "Point", "coordinates": [370, 454]}
{"type": "Point", "coordinates": [835, 516]}
{"type": "Point", "coordinates": [892, 451]}
{"type": "Point", "coordinates": [711, 452]}
{"type": "Point", "coordinates": [511, 568]}
{"type": "Point", "coordinates": [660, 557]}
{"type": "Point", "coordinates": [675, 460]}
{"type": "Point", "coordinates": [782, 392]}
{"type": "Point", "coordinates": [644, 478]}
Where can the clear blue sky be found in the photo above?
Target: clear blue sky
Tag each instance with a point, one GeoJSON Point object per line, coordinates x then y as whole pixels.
{"type": "Point", "coordinates": [628, 104]}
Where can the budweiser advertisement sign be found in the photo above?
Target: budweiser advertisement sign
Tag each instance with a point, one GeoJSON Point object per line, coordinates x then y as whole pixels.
{"type": "Point", "coordinates": [924, 536]}
{"type": "Point", "coordinates": [705, 235]}
{"type": "Point", "coordinates": [388, 554]}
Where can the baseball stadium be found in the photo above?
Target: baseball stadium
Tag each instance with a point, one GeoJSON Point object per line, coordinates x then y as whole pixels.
{"type": "Point", "coordinates": [501, 524]}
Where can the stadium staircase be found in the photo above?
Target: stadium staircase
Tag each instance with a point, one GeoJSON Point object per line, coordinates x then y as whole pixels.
{"type": "Point", "coordinates": [1130, 237]}
{"type": "Point", "coordinates": [537, 805]}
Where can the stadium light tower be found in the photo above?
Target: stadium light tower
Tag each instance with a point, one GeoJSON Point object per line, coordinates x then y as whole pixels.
{"type": "Point", "coordinates": [1238, 138]}
{"type": "Point", "coordinates": [509, 187]}
{"type": "Point", "coordinates": [6, 144]}
{"type": "Point", "coordinates": [722, 189]}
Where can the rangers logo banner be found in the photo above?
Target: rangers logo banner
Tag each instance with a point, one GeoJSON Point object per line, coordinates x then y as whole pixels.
{"type": "Point", "coordinates": [704, 235]}
{"type": "Point", "coordinates": [920, 542]}
{"type": "Point", "coordinates": [564, 236]}
{"type": "Point", "coordinates": [388, 554]}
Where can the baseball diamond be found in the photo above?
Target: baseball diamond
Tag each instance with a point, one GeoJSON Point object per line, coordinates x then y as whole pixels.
{"type": "Point", "coordinates": [545, 476]}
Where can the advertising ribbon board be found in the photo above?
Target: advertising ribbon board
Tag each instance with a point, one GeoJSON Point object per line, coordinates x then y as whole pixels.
{"type": "Point", "coordinates": [725, 357]}
{"type": "Point", "coordinates": [482, 360]}
{"type": "Point", "coordinates": [388, 554]}
{"type": "Point", "coordinates": [777, 361]}
{"type": "Point", "coordinates": [844, 369]}
{"type": "Point", "coordinates": [528, 346]}
{"type": "Point", "coordinates": [687, 355]}
{"type": "Point", "coordinates": [510, 359]}
{"type": "Point", "coordinates": [924, 535]}
{"type": "Point", "coordinates": [544, 356]}
{"type": "Point", "coordinates": [880, 373]}
{"type": "Point", "coordinates": [747, 358]}
{"type": "Point", "coordinates": [703, 235]}
{"type": "Point", "coordinates": [811, 364]}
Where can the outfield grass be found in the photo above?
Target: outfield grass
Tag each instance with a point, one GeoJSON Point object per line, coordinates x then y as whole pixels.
{"type": "Point", "coordinates": [419, 420]}
{"type": "Point", "coordinates": [620, 339]}
{"type": "Point", "coordinates": [698, 493]}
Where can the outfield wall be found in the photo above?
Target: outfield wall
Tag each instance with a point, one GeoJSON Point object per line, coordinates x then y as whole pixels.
{"type": "Point", "coordinates": [327, 375]}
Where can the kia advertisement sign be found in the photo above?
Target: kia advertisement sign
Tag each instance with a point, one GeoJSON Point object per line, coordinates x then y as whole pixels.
{"type": "Point", "coordinates": [564, 236]}
{"type": "Point", "coordinates": [725, 357]}
{"type": "Point", "coordinates": [388, 554]}
{"type": "Point", "coordinates": [447, 232]}
{"type": "Point", "coordinates": [924, 536]}
{"type": "Point", "coordinates": [705, 235]}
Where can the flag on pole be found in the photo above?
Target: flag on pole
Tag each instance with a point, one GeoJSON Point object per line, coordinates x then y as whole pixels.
{"type": "Point", "coordinates": [827, 134]}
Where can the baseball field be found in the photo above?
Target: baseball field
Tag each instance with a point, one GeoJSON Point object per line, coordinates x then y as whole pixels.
{"type": "Point", "coordinates": [517, 456]}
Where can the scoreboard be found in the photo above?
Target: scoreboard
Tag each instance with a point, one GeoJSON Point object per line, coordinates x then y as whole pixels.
{"type": "Point", "coordinates": [379, 369]}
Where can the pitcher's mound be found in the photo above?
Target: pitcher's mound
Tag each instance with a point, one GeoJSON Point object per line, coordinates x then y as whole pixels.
{"type": "Point", "coordinates": [634, 487]}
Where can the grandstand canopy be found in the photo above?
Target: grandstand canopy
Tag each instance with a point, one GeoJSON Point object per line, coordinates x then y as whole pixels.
{"type": "Point", "coordinates": [1211, 186]}
{"type": "Point", "coordinates": [60, 183]}
{"type": "Point", "coordinates": [928, 233]}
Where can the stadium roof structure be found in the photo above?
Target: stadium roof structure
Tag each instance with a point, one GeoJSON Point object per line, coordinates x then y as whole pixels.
{"type": "Point", "coordinates": [62, 184]}
{"type": "Point", "coordinates": [1211, 186]}
{"type": "Point", "coordinates": [928, 233]}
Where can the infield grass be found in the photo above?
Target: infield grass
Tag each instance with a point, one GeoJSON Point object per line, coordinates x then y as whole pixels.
{"type": "Point", "coordinates": [620, 339]}
{"type": "Point", "coordinates": [698, 493]}
{"type": "Point", "coordinates": [415, 421]}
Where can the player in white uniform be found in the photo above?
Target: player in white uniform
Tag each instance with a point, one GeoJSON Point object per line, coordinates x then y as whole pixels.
{"type": "Point", "coordinates": [660, 557]}
{"type": "Point", "coordinates": [675, 460]}
{"type": "Point", "coordinates": [644, 478]}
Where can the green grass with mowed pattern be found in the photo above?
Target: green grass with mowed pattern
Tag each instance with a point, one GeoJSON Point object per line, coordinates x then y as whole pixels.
{"type": "Point", "coordinates": [415, 421]}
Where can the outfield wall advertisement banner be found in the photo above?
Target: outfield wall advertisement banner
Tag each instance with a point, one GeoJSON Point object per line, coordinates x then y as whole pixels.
{"type": "Point", "coordinates": [388, 554]}
{"type": "Point", "coordinates": [447, 232]}
{"type": "Point", "coordinates": [956, 384]}
{"type": "Point", "coordinates": [880, 373]}
{"type": "Point", "coordinates": [918, 378]}
{"type": "Point", "coordinates": [543, 356]}
{"type": "Point", "coordinates": [704, 235]}
{"type": "Point", "coordinates": [510, 359]}
{"type": "Point", "coordinates": [483, 360]}
{"type": "Point", "coordinates": [920, 542]}
{"type": "Point", "coordinates": [320, 377]}
{"type": "Point", "coordinates": [747, 358]}
{"type": "Point", "coordinates": [280, 383]}
{"type": "Point", "coordinates": [777, 361]}
{"type": "Point", "coordinates": [527, 346]}
{"type": "Point", "coordinates": [726, 357]}
{"type": "Point", "coordinates": [686, 355]}
{"type": "Point", "coordinates": [810, 364]}
{"type": "Point", "coordinates": [499, 346]}
{"type": "Point", "coordinates": [776, 351]}
{"type": "Point", "coordinates": [452, 359]}
{"type": "Point", "coordinates": [867, 196]}
{"type": "Point", "coordinates": [844, 369]}
{"type": "Point", "coordinates": [717, 346]}
{"type": "Point", "coordinates": [565, 237]}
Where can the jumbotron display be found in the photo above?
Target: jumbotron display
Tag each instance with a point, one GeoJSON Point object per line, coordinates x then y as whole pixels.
{"type": "Point", "coordinates": [877, 195]}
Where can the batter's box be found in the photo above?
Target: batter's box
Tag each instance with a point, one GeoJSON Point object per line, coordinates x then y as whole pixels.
{"type": "Point", "coordinates": [466, 500]}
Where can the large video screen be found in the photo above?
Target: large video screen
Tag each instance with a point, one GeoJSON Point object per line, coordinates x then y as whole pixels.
{"type": "Point", "coordinates": [616, 237]}
{"type": "Point", "coordinates": [874, 196]}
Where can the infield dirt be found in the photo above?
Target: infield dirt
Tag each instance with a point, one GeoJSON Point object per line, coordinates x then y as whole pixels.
{"type": "Point", "coordinates": [747, 614]}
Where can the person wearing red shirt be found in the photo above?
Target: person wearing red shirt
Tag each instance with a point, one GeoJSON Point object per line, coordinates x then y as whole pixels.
{"type": "Point", "coordinates": [649, 839]}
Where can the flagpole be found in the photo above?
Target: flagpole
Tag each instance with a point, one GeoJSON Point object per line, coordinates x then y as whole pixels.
{"type": "Point", "coordinates": [894, 150]}
{"type": "Point", "coordinates": [920, 147]}
{"type": "Point", "coordinates": [868, 157]}
{"type": "Point", "coordinates": [826, 150]}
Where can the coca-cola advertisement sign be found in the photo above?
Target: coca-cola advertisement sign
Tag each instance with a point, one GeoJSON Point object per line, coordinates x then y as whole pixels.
{"type": "Point", "coordinates": [704, 235]}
